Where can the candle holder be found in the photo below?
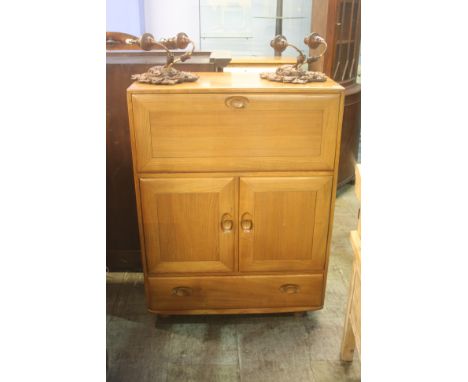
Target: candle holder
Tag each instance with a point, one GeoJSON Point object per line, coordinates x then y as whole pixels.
{"type": "Point", "coordinates": [160, 74]}
{"type": "Point", "coordinates": [294, 73]}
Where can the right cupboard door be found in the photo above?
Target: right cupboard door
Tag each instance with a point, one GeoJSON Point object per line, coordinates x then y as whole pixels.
{"type": "Point", "coordinates": [284, 223]}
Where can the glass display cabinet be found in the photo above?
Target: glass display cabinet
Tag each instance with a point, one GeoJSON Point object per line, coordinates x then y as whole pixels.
{"type": "Point", "coordinates": [339, 22]}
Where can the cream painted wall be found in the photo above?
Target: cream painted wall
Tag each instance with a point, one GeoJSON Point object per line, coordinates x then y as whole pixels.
{"type": "Point", "coordinates": [167, 18]}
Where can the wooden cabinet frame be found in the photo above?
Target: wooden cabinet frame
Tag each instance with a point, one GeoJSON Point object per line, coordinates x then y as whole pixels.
{"type": "Point", "coordinates": [298, 289]}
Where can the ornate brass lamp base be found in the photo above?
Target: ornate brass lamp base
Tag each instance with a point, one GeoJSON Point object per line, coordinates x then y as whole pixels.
{"type": "Point", "coordinates": [291, 74]}
{"type": "Point", "coordinates": [162, 75]}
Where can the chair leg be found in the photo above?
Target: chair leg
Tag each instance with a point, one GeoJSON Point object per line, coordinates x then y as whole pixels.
{"type": "Point", "coordinates": [348, 344]}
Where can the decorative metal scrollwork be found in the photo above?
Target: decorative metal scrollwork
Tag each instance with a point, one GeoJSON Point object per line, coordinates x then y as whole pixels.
{"type": "Point", "coordinates": [164, 75]}
{"type": "Point", "coordinates": [294, 73]}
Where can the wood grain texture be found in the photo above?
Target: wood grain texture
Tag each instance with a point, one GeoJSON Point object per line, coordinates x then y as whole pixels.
{"type": "Point", "coordinates": [319, 25]}
{"type": "Point", "coordinates": [271, 132]}
{"type": "Point", "coordinates": [136, 183]}
{"type": "Point", "coordinates": [229, 292]}
{"type": "Point", "coordinates": [356, 244]}
{"type": "Point", "coordinates": [234, 311]}
{"type": "Point", "coordinates": [327, 18]}
{"type": "Point", "coordinates": [197, 137]}
{"type": "Point", "coordinates": [261, 61]}
{"type": "Point", "coordinates": [357, 185]}
{"type": "Point", "coordinates": [358, 194]}
{"type": "Point", "coordinates": [334, 188]}
{"type": "Point", "coordinates": [258, 347]}
{"type": "Point", "coordinates": [182, 224]}
{"type": "Point", "coordinates": [351, 131]}
{"type": "Point", "coordinates": [122, 243]}
{"type": "Point", "coordinates": [236, 83]}
{"type": "Point", "coordinates": [290, 217]}
{"type": "Point", "coordinates": [352, 326]}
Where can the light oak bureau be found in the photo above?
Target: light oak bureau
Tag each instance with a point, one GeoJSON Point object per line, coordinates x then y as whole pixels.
{"type": "Point", "coordinates": [235, 182]}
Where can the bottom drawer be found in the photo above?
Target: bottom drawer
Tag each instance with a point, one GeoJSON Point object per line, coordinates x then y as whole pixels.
{"type": "Point", "coordinates": [235, 292]}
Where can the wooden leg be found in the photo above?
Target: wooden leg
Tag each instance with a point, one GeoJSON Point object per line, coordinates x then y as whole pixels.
{"type": "Point", "coordinates": [348, 344]}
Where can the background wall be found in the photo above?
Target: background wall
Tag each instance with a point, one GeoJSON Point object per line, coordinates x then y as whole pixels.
{"type": "Point", "coordinates": [167, 18]}
{"type": "Point", "coordinates": [125, 16]}
{"type": "Point", "coordinates": [243, 27]}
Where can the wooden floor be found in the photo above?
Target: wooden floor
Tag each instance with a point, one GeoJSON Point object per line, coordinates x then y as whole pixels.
{"type": "Point", "coordinates": [247, 348]}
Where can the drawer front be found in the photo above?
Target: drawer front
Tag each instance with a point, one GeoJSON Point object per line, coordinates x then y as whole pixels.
{"type": "Point", "coordinates": [234, 292]}
{"type": "Point", "coordinates": [227, 132]}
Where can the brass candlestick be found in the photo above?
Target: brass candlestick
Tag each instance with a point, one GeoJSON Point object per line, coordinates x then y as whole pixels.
{"type": "Point", "coordinates": [294, 73]}
{"type": "Point", "coordinates": [163, 75]}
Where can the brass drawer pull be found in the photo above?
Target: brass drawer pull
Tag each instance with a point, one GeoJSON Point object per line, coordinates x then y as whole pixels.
{"type": "Point", "coordinates": [226, 223]}
{"type": "Point", "coordinates": [237, 102]}
{"type": "Point", "coordinates": [182, 291]}
{"type": "Point", "coordinates": [289, 288]}
{"type": "Point", "coordinates": [246, 222]}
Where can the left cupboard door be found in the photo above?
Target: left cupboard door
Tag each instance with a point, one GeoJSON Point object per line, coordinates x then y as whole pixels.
{"type": "Point", "coordinates": [189, 224]}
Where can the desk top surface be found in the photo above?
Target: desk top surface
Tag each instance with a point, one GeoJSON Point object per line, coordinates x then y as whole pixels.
{"type": "Point", "coordinates": [236, 82]}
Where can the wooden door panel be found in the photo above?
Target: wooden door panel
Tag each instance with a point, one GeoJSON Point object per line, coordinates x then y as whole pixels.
{"type": "Point", "coordinates": [182, 224]}
{"type": "Point", "coordinates": [289, 227]}
{"type": "Point", "coordinates": [187, 225]}
{"type": "Point", "coordinates": [204, 132]}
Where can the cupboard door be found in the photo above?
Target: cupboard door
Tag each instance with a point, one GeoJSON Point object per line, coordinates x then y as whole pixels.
{"type": "Point", "coordinates": [189, 224]}
{"type": "Point", "coordinates": [283, 223]}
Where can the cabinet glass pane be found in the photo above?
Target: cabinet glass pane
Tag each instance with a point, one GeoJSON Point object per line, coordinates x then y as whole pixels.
{"type": "Point", "coordinates": [246, 27]}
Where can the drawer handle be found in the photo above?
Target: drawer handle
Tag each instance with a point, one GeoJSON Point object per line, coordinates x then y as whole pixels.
{"type": "Point", "coordinates": [226, 223]}
{"type": "Point", "coordinates": [237, 102]}
{"type": "Point", "coordinates": [289, 288]}
{"type": "Point", "coordinates": [246, 222]}
{"type": "Point", "coordinates": [182, 291]}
